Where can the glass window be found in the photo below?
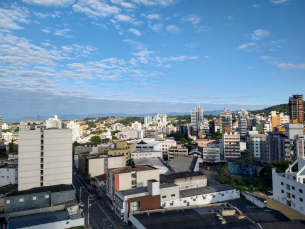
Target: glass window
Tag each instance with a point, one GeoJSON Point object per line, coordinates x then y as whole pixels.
{"type": "Point", "coordinates": [20, 200]}
{"type": "Point", "coordinates": [8, 202]}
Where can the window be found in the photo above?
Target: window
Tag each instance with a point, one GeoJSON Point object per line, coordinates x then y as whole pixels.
{"type": "Point", "coordinates": [20, 200]}
{"type": "Point", "coordinates": [34, 197]}
{"type": "Point", "coordinates": [293, 196]}
{"type": "Point", "coordinates": [47, 196]}
{"type": "Point", "coordinates": [214, 196]}
{"type": "Point", "coordinates": [8, 202]}
{"type": "Point", "coordinates": [163, 196]}
{"type": "Point", "coordinates": [293, 188]}
{"type": "Point", "coordinates": [282, 183]}
{"type": "Point", "coordinates": [301, 191]}
{"type": "Point", "coordinates": [287, 194]}
{"type": "Point", "coordinates": [301, 208]}
{"type": "Point", "coordinates": [194, 199]}
{"type": "Point", "coordinates": [287, 186]}
{"type": "Point", "coordinates": [172, 195]}
{"type": "Point", "coordinates": [184, 201]}
{"type": "Point", "coordinates": [301, 199]}
{"type": "Point", "coordinates": [172, 203]}
{"type": "Point", "coordinates": [282, 191]}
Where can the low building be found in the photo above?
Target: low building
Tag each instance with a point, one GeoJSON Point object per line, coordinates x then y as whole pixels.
{"type": "Point", "coordinates": [99, 182]}
{"type": "Point", "coordinates": [130, 134]}
{"type": "Point", "coordinates": [128, 177]}
{"type": "Point", "coordinates": [40, 197]}
{"type": "Point", "coordinates": [8, 175]}
{"type": "Point", "coordinates": [146, 154]}
{"type": "Point", "coordinates": [177, 151]}
{"type": "Point", "coordinates": [203, 142]}
{"type": "Point", "coordinates": [122, 148]}
{"type": "Point", "coordinates": [96, 164]}
{"type": "Point", "coordinates": [62, 216]}
{"type": "Point", "coordinates": [144, 145]}
{"type": "Point", "coordinates": [182, 164]}
{"type": "Point", "coordinates": [156, 163]}
{"type": "Point", "coordinates": [185, 180]}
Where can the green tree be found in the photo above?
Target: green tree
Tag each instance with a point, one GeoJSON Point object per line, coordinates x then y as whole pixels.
{"type": "Point", "coordinates": [131, 163]}
{"type": "Point", "coordinates": [74, 144]}
{"type": "Point", "coordinates": [95, 139]}
{"type": "Point", "coordinates": [105, 140]}
{"type": "Point", "coordinates": [114, 138]}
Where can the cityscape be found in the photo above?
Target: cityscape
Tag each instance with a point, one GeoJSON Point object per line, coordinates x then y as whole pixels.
{"type": "Point", "coordinates": [151, 114]}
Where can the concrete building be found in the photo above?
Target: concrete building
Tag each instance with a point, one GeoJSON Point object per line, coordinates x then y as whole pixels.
{"type": "Point", "coordinates": [8, 175]}
{"type": "Point", "coordinates": [231, 145]}
{"type": "Point", "coordinates": [147, 120]}
{"type": "Point", "coordinates": [38, 197]}
{"type": "Point", "coordinates": [127, 178]}
{"type": "Point", "coordinates": [289, 189]}
{"type": "Point", "coordinates": [257, 145]}
{"type": "Point", "coordinates": [197, 119]}
{"type": "Point", "coordinates": [160, 119]}
{"type": "Point", "coordinates": [177, 151]}
{"type": "Point", "coordinates": [203, 142]}
{"type": "Point", "coordinates": [130, 134]}
{"type": "Point", "coordinates": [225, 120]}
{"type": "Point", "coordinates": [97, 164]}
{"type": "Point", "coordinates": [156, 163]}
{"type": "Point", "coordinates": [122, 148]}
{"type": "Point", "coordinates": [151, 133]}
{"type": "Point", "coordinates": [296, 108]}
{"type": "Point", "coordinates": [242, 122]}
{"type": "Point", "coordinates": [53, 123]}
{"type": "Point", "coordinates": [146, 154]}
{"type": "Point", "coordinates": [4, 126]}
{"type": "Point", "coordinates": [184, 180]}
{"type": "Point", "coordinates": [136, 126]}
{"type": "Point", "coordinates": [75, 130]}
{"type": "Point", "coordinates": [44, 156]}
{"type": "Point", "coordinates": [148, 145]}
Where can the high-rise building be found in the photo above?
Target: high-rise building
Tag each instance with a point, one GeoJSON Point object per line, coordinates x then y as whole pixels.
{"type": "Point", "coordinates": [196, 119]}
{"type": "Point", "coordinates": [296, 108]}
{"type": "Point", "coordinates": [257, 145]}
{"type": "Point", "coordinates": [225, 120]}
{"type": "Point", "coordinates": [147, 120]}
{"type": "Point", "coordinates": [75, 130]}
{"type": "Point", "coordinates": [231, 145]}
{"type": "Point", "coordinates": [53, 122]}
{"type": "Point", "coordinates": [44, 156]}
{"type": "Point", "coordinates": [0, 128]}
{"type": "Point", "coordinates": [242, 122]}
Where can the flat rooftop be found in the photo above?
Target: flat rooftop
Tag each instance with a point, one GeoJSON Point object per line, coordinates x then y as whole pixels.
{"type": "Point", "coordinates": [8, 188]}
{"type": "Point", "coordinates": [38, 219]}
{"type": "Point", "coordinates": [128, 169]}
{"type": "Point", "coordinates": [205, 190]}
{"type": "Point", "coordinates": [53, 188]}
{"type": "Point", "coordinates": [170, 177]}
{"type": "Point", "coordinates": [134, 191]}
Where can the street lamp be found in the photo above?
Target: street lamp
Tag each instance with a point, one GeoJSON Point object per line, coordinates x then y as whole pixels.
{"type": "Point", "coordinates": [89, 206]}
{"type": "Point", "coordinates": [80, 193]}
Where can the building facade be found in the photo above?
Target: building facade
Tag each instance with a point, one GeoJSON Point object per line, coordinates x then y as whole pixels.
{"type": "Point", "coordinates": [75, 130]}
{"type": "Point", "coordinates": [53, 123]}
{"type": "Point", "coordinates": [122, 148]}
{"type": "Point", "coordinates": [231, 145]}
{"type": "Point", "coordinates": [257, 145]}
{"type": "Point", "coordinates": [296, 108]}
{"type": "Point", "coordinates": [177, 151]}
{"type": "Point", "coordinates": [197, 119]}
{"type": "Point", "coordinates": [225, 120]}
{"type": "Point", "coordinates": [44, 156]}
{"type": "Point", "coordinates": [8, 175]}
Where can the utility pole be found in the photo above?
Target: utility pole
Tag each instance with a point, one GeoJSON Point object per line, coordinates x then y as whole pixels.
{"type": "Point", "coordinates": [80, 193]}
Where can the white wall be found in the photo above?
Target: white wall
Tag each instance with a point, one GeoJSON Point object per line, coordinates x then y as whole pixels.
{"type": "Point", "coordinates": [8, 176]}
{"type": "Point", "coordinates": [55, 225]}
{"type": "Point", "coordinates": [146, 154]}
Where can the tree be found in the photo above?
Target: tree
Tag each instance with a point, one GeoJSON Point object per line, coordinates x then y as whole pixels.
{"type": "Point", "coordinates": [12, 148]}
{"type": "Point", "coordinates": [131, 163]}
{"type": "Point", "coordinates": [74, 144]}
{"type": "Point", "coordinates": [114, 138]}
{"type": "Point", "coordinates": [105, 140]}
{"type": "Point", "coordinates": [95, 139]}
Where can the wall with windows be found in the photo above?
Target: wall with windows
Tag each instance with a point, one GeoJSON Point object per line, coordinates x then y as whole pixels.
{"type": "Point", "coordinates": [8, 175]}
{"type": "Point", "coordinates": [288, 192]}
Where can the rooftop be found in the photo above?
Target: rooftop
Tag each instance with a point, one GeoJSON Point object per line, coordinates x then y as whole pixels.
{"type": "Point", "coordinates": [8, 188]}
{"type": "Point", "coordinates": [181, 164]}
{"type": "Point", "coordinates": [205, 190]}
{"type": "Point", "coordinates": [53, 188]}
{"type": "Point", "coordinates": [153, 162]}
{"type": "Point", "coordinates": [170, 177]}
{"type": "Point", "coordinates": [38, 219]}
{"type": "Point", "coordinates": [101, 177]}
{"type": "Point", "coordinates": [167, 185]}
{"type": "Point", "coordinates": [134, 191]}
{"type": "Point", "coordinates": [128, 169]}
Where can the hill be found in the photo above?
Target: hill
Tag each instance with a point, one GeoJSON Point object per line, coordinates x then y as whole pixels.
{"type": "Point", "coordinates": [279, 108]}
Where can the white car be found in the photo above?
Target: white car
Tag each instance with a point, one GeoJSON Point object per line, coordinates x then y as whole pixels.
{"type": "Point", "coordinates": [81, 205]}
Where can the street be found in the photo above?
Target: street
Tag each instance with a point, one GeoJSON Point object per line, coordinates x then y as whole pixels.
{"type": "Point", "coordinates": [98, 219]}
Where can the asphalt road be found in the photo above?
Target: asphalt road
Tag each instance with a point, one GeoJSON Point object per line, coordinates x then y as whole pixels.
{"type": "Point", "coordinates": [98, 219]}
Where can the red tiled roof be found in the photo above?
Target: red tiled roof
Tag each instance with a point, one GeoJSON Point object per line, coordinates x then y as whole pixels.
{"type": "Point", "coordinates": [101, 177]}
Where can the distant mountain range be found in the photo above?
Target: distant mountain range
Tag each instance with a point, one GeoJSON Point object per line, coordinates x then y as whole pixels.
{"type": "Point", "coordinates": [83, 116]}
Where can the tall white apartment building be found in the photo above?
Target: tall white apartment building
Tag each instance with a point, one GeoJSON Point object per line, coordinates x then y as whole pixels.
{"type": "Point", "coordinates": [4, 126]}
{"type": "Point", "coordinates": [160, 118]}
{"type": "Point", "coordinates": [231, 145]}
{"type": "Point", "coordinates": [75, 130]}
{"type": "Point", "coordinates": [53, 122]}
{"type": "Point", "coordinates": [44, 156]}
{"type": "Point", "coordinates": [197, 119]}
{"type": "Point", "coordinates": [147, 120]}
{"type": "Point", "coordinates": [257, 145]}
{"type": "Point", "coordinates": [136, 126]}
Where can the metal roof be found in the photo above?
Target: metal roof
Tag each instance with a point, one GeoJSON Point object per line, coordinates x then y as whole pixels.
{"type": "Point", "coordinates": [205, 190]}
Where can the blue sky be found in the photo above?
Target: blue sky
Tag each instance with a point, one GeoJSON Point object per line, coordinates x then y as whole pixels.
{"type": "Point", "coordinates": [141, 56]}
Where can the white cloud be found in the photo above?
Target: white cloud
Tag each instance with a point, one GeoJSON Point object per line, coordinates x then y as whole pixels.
{"type": "Point", "coordinates": [284, 65]}
{"type": "Point", "coordinates": [43, 16]}
{"type": "Point", "coordinates": [155, 2]}
{"type": "Point", "coordinates": [127, 5]}
{"type": "Point", "coordinates": [46, 30]}
{"type": "Point", "coordinates": [178, 58]}
{"type": "Point", "coordinates": [153, 16]}
{"type": "Point", "coordinates": [264, 57]}
{"type": "Point", "coordinates": [206, 57]}
{"type": "Point", "coordinates": [173, 29]}
{"type": "Point", "coordinates": [133, 61]}
{"type": "Point", "coordinates": [61, 3]}
{"type": "Point", "coordinates": [167, 66]}
{"type": "Point", "coordinates": [246, 45]}
{"type": "Point", "coordinates": [193, 18]}
{"type": "Point", "coordinates": [230, 18]}
{"type": "Point", "coordinates": [62, 33]}
{"type": "Point", "coordinates": [123, 17]}
{"type": "Point", "coordinates": [10, 17]}
{"type": "Point", "coordinates": [256, 6]}
{"type": "Point", "coordinates": [276, 2]}
{"type": "Point", "coordinates": [157, 27]}
{"type": "Point", "coordinates": [249, 67]}
{"type": "Point", "coordinates": [47, 69]}
{"type": "Point", "coordinates": [143, 53]}
{"type": "Point", "coordinates": [95, 8]}
{"type": "Point", "coordinates": [135, 32]}
{"type": "Point", "coordinates": [259, 34]}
